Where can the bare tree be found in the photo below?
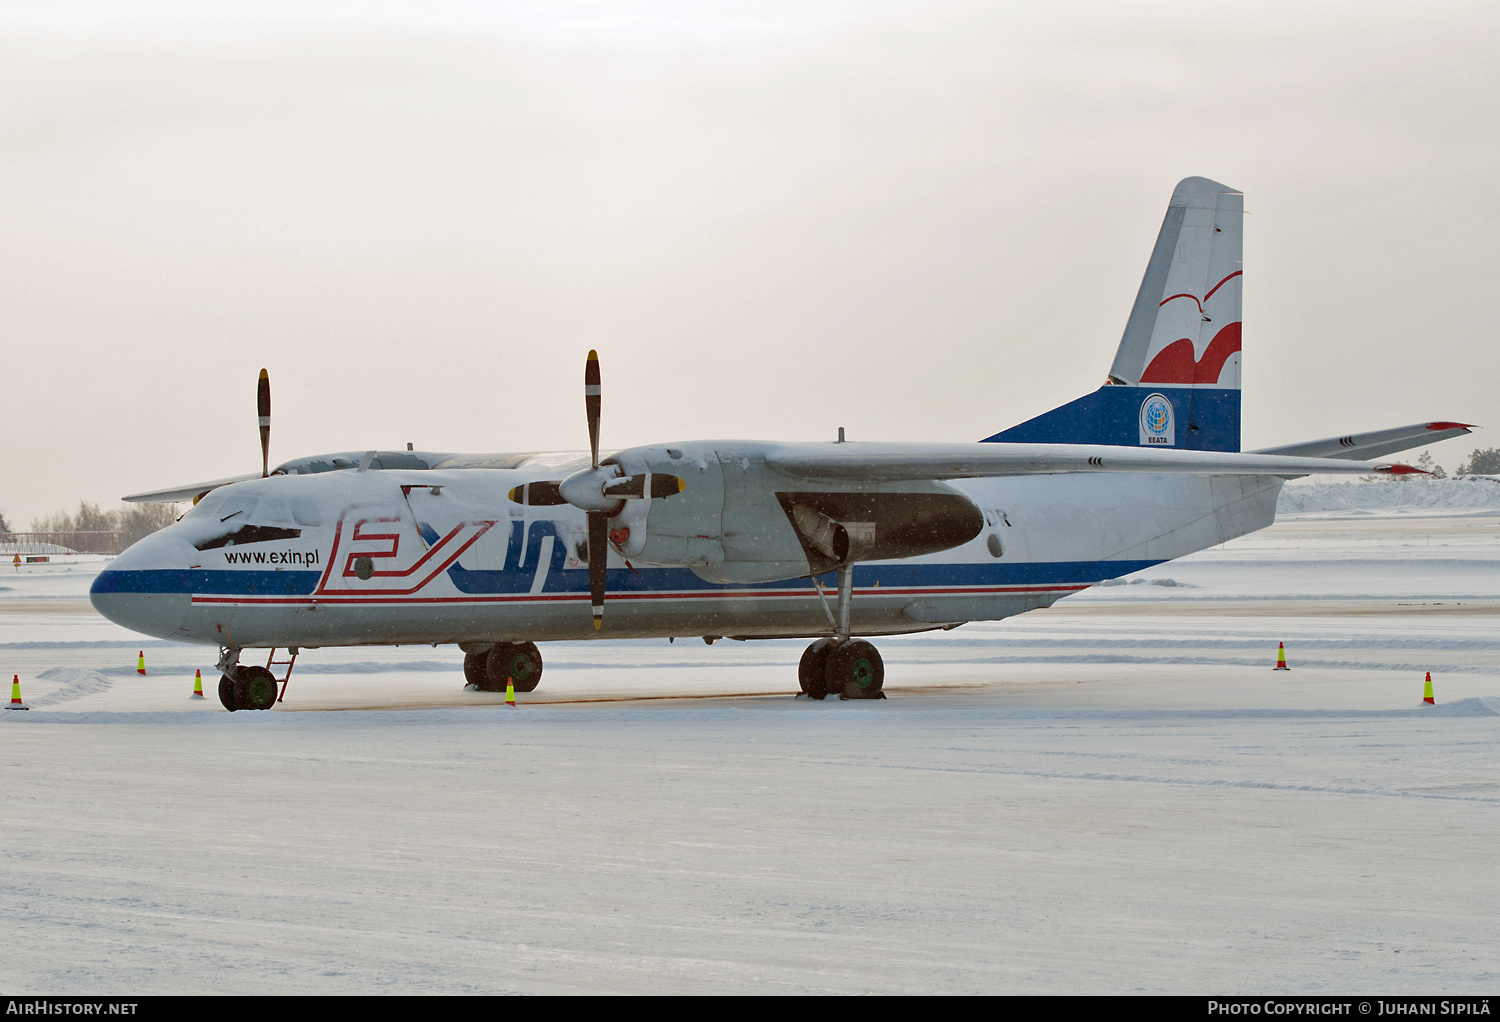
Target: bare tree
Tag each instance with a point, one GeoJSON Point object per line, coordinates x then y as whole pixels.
{"type": "Point", "coordinates": [132, 521]}
{"type": "Point", "coordinates": [137, 521]}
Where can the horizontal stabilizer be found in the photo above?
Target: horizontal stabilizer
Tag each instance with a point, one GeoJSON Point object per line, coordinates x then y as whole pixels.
{"type": "Point", "coordinates": [893, 462]}
{"type": "Point", "coordinates": [1373, 445]}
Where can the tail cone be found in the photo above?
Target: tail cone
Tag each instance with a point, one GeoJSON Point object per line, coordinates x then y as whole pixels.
{"type": "Point", "coordinates": [1281, 658]}
{"type": "Point", "coordinates": [1427, 691]}
{"type": "Point", "coordinates": [15, 694]}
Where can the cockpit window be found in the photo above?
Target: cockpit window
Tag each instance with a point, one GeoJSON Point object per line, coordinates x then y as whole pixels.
{"type": "Point", "coordinates": [249, 534]}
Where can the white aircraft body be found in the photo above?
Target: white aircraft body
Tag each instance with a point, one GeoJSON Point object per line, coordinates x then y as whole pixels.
{"type": "Point", "coordinates": [830, 541]}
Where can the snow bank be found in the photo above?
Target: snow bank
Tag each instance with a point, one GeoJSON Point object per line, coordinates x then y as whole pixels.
{"type": "Point", "coordinates": [1483, 706]}
{"type": "Point", "coordinates": [63, 684]}
{"type": "Point", "coordinates": [1469, 493]}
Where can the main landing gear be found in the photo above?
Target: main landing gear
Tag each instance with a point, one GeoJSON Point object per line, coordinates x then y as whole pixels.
{"type": "Point", "coordinates": [519, 662]}
{"type": "Point", "coordinates": [841, 666]}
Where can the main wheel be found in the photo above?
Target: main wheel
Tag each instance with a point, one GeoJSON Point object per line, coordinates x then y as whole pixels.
{"type": "Point", "coordinates": [474, 668]}
{"type": "Point", "coordinates": [855, 670]}
{"type": "Point", "coordinates": [254, 688]}
{"type": "Point", "coordinates": [226, 693]}
{"type": "Point", "coordinates": [519, 662]}
{"type": "Point", "coordinates": [811, 670]}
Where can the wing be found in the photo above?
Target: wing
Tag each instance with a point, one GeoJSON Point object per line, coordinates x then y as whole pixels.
{"type": "Point", "coordinates": [890, 462]}
{"type": "Point", "coordinates": [191, 492]}
{"type": "Point", "coordinates": [1373, 445]}
{"type": "Point", "coordinates": [349, 460]}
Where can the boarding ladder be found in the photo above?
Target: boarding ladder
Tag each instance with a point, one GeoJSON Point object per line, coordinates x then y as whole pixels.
{"type": "Point", "coordinates": [271, 662]}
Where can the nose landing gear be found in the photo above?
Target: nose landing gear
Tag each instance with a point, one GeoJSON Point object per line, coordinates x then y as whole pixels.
{"type": "Point", "coordinates": [248, 687]}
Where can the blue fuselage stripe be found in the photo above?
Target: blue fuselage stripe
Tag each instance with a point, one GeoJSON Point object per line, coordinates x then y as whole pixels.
{"type": "Point", "coordinates": [201, 582]}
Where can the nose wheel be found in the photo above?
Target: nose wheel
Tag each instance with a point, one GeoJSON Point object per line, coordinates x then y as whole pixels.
{"type": "Point", "coordinates": [247, 688]}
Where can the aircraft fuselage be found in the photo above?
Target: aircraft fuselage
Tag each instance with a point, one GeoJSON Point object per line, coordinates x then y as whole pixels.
{"type": "Point", "coordinates": [396, 557]}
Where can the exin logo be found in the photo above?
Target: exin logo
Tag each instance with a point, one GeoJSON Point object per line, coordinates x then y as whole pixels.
{"type": "Point", "coordinates": [1158, 425]}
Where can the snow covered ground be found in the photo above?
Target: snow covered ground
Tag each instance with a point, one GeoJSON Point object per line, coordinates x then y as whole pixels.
{"type": "Point", "coordinates": [1116, 794]}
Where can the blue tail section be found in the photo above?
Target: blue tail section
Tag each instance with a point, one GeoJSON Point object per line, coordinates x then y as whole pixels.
{"type": "Point", "coordinates": [1201, 419]}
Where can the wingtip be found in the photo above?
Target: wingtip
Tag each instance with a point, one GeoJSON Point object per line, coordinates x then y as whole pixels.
{"type": "Point", "coordinates": [1451, 425]}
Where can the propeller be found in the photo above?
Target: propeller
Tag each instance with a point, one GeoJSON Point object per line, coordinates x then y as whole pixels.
{"type": "Point", "coordinates": [599, 490]}
{"type": "Point", "coordinates": [263, 409]}
{"type": "Point", "coordinates": [645, 484]}
{"type": "Point", "coordinates": [598, 520]}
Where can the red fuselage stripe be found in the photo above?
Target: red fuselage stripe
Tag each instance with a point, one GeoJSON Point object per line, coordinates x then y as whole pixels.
{"type": "Point", "coordinates": [564, 597]}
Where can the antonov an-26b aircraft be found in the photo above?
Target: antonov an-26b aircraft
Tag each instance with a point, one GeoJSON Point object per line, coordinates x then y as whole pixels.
{"type": "Point", "coordinates": [829, 541]}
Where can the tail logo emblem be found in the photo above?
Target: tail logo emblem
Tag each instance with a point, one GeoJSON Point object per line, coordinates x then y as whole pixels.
{"type": "Point", "coordinates": [1158, 425]}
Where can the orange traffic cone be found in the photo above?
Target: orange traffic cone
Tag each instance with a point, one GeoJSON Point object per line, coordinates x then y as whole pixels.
{"type": "Point", "coordinates": [198, 684]}
{"type": "Point", "coordinates": [1427, 691]}
{"type": "Point", "coordinates": [510, 693]}
{"type": "Point", "coordinates": [15, 694]}
{"type": "Point", "coordinates": [140, 663]}
{"type": "Point", "coordinates": [1281, 658]}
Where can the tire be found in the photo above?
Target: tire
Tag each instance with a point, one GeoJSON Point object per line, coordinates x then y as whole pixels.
{"type": "Point", "coordinates": [811, 670]}
{"type": "Point", "coordinates": [226, 693]}
{"type": "Point", "coordinates": [855, 670]}
{"type": "Point", "coordinates": [241, 696]}
{"type": "Point", "coordinates": [255, 688]}
{"type": "Point", "coordinates": [474, 669]}
{"type": "Point", "coordinates": [494, 668]}
{"type": "Point", "coordinates": [520, 662]}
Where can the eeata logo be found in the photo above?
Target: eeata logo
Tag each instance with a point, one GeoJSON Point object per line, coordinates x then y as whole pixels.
{"type": "Point", "coordinates": [1158, 427]}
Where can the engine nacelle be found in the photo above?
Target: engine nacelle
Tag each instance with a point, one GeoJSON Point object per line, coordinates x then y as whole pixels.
{"type": "Point", "coordinates": [738, 520]}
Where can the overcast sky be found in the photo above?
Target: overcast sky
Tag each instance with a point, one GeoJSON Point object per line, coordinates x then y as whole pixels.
{"type": "Point", "coordinates": [919, 221]}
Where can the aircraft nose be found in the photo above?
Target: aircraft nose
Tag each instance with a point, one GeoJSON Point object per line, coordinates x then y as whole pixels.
{"type": "Point", "coordinates": [148, 588]}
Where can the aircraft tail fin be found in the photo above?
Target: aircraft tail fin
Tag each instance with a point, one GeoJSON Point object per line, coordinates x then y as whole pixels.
{"type": "Point", "coordinates": [1175, 381]}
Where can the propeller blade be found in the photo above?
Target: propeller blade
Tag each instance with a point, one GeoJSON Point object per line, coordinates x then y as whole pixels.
{"type": "Point", "coordinates": [591, 394]}
{"type": "Point", "coordinates": [598, 560]}
{"type": "Point", "coordinates": [652, 484]}
{"type": "Point", "coordinates": [263, 409]}
{"type": "Point", "coordinates": [542, 493]}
